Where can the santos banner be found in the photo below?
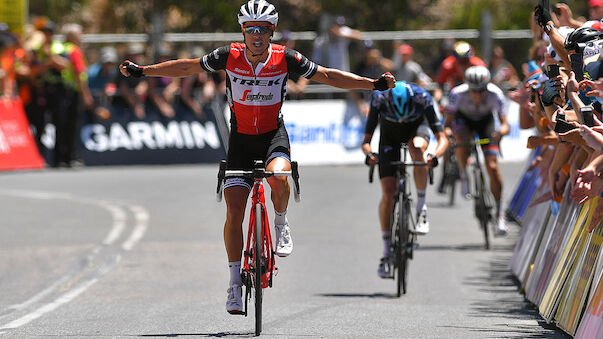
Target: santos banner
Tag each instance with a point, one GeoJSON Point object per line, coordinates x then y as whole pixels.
{"type": "Point", "coordinates": [331, 132]}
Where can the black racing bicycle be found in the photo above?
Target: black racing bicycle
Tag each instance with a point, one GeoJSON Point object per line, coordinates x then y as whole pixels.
{"type": "Point", "coordinates": [259, 266]}
{"type": "Point", "coordinates": [483, 201]}
{"type": "Point", "coordinates": [403, 221]}
{"type": "Point", "coordinates": [451, 174]}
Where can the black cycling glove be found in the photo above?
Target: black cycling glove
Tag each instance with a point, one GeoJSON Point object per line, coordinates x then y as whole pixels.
{"type": "Point", "coordinates": [368, 157]}
{"type": "Point", "coordinates": [381, 83]}
{"type": "Point", "coordinates": [434, 160]}
{"type": "Point", "coordinates": [542, 16]}
{"type": "Point", "coordinates": [133, 69]}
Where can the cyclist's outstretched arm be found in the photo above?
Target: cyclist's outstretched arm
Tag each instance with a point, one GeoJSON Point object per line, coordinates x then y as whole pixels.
{"type": "Point", "coordinates": [341, 79]}
{"type": "Point", "coordinates": [173, 68]}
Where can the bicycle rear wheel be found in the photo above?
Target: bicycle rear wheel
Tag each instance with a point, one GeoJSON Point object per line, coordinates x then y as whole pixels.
{"type": "Point", "coordinates": [257, 261]}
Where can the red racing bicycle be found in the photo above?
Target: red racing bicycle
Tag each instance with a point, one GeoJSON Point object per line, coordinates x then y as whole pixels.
{"type": "Point", "coordinates": [259, 266]}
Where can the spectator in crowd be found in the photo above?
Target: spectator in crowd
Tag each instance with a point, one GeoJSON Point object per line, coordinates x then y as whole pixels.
{"type": "Point", "coordinates": [49, 60]}
{"type": "Point", "coordinates": [372, 65]}
{"type": "Point", "coordinates": [577, 125]}
{"type": "Point", "coordinates": [7, 63]}
{"type": "Point", "coordinates": [595, 9]}
{"type": "Point", "coordinates": [197, 89]}
{"type": "Point", "coordinates": [76, 92]}
{"type": "Point", "coordinates": [295, 84]}
{"type": "Point", "coordinates": [101, 80]}
{"type": "Point", "coordinates": [163, 89]}
{"type": "Point", "coordinates": [331, 48]}
{"type": "Point", "coordinates": [503, 73]}
{"type": "Point", "coordinates": [446, 50]}
{"type": "Point", "coordinates": [133, 91]}
{"type": "Point", "coordinates": [408, 70]}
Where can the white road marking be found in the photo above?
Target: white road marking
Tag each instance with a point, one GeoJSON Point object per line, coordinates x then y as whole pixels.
{"type": "Point", "coordinates": [142, 220]}
{"type": "Point", "coordinates": [119, 222]}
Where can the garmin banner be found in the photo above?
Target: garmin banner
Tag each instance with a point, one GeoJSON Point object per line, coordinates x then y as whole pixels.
{"type": "Point", "coordinates": [124, 140]}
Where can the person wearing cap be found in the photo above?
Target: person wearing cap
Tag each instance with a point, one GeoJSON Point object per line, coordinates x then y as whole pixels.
{"type": "Point", "coordinates": [101, 80]}
{"type": "Point", "coordinates": [340, 37]}
{"type": "Point", "coordinates": [162, 90]}
{"type": "Point", "coordinates": [595, 9]}
{"type": "Point", "coordinates": [295, 84]}
{"type": "Point", "coordinates": [256, 72]}
{"type": "Point", "coordinates": [75, 93]}
{"type": "Point", "coordinates": [409, 70]}
{"type": "Point", "coordinates": [48, 61]}
{"type": "Point", "coordinates": [132, 90]}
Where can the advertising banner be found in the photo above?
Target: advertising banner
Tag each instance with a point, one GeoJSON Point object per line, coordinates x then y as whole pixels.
{"type": "Point", "coordinates": [575, 292]}
{"type": "Point", "coordinates": [18, 149]}
{"type": "Point", "coordinates": [554, 240]}
{"type": "Point", "coordinates": [153, 140]}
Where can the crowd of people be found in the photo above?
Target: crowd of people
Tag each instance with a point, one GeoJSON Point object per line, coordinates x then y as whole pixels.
{"type": "Point", "coordinates": [561, 99]}
{"type": "Point", "coordinates": [58, 87]}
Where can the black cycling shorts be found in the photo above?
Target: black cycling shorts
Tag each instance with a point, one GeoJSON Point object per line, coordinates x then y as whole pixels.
{"type": "Point", "coordinates": [390, 141]}
{"type": "Point", "coordinates": [244, 149]}
{"type": "Point", "coordinates": [484, 128]}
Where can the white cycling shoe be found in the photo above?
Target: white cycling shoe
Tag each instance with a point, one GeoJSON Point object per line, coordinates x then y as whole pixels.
{"type": "Point", "coordinates": [422, 227]}
{"type": "Point", "coordinates": [284, 243]}
{"type": "Point", "coordinates": [385, 268]}
{"type": "Point", "coordinates": [234, 301]}
{"type": "Point", "coordinates": [501, 227]}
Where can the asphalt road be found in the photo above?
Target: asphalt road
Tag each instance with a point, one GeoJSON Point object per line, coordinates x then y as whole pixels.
{"type": "Point", "coordinates": [138, 252]}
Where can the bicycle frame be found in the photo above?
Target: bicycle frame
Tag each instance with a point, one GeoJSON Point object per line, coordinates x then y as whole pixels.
{"type": "Point", "coordinates": [259, 264]}
{"type": "Point", "coordinates": [403, 238]}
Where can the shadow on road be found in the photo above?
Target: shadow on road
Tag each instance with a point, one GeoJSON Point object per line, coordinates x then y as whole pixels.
{"type": "Point", "coordinates": [494, 277]}
{"type": "Point", "coordinates": [466, 247]}
{"type": "Point", "coordinates": [359, 295]}
{"type": "Point", "coordinates": [199, 335]}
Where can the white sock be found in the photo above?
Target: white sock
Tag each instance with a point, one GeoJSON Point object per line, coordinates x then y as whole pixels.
{"type": "Point", "coordinates": [387, 243]}
{"type": "Point", "coordinates": [235, 273]}
{"type": "Point", "coordinates": [463, 174]}
{"type": "Point", "coordinates": [280, 218]}
{"type": "Point", "coordinates": [420, 201]}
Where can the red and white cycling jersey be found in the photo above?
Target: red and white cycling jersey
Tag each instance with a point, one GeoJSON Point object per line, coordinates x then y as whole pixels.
{"type": "Point", "coordinates": [255, 96]}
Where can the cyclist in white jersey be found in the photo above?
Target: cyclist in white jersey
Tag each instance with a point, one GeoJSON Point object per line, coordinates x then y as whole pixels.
{"type": "Point", "coordinates": [256, 76]}
{"type": "Point", "coordinates": [471, 110]}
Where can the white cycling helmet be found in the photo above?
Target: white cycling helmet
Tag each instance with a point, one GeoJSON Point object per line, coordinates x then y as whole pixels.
{"type": "Point", "coordinates": [258, 10]}
{"type": "Point", "coordinates": [477, 77]}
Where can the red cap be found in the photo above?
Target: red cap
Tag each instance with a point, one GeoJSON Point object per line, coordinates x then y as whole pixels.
{"type": "Point", "coordinates": [595, 3]}
{"type": "Point", "coordinates": [407, 49]}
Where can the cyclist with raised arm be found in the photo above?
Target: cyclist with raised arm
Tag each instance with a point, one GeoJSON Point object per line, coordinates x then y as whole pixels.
{"type": "Point", "coordinates": [471, 110]}
{"type": "Point", "coordinates": [256, 78]}
{"type": "Point", "coordinates": [403, 112]}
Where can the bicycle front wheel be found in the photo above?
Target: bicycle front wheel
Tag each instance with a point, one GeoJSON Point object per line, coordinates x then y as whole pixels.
{"type": "Point", "coordinates": [402, 253]}
{"type": "Point", "coordinates": [482, 210]}
{"type": "Point", "coordinates": [257, 261]}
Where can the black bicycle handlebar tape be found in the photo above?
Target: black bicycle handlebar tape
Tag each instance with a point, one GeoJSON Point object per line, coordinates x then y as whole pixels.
{"type": "Point", "coordinates": [133, 69]}
{"type": "Point", "coordinates": [295, 175]}
{"type": "Point", "coordinates": [221, 174]}
{"type": "Point", "coordinates": [371, 171]}
{"type": "Point", "coordinates": [381, 83]}
{"type": "Point", "coordinates": [430, 171]}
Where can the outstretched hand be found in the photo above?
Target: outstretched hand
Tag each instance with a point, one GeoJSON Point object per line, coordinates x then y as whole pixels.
{"type": "Point", "coordinates": [385, 81]}
{"type": "Point", "coordinates": [128, 68]}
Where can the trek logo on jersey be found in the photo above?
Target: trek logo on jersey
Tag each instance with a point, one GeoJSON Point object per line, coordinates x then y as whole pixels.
{"type": "Point", "coordinates": [258, 97]}
{"type": "Point", "coordinates": [256, 82]}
